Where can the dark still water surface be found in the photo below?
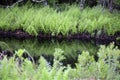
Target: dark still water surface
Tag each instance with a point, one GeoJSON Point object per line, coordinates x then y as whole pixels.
{"type": "Point", "coordinates": [71, 48]}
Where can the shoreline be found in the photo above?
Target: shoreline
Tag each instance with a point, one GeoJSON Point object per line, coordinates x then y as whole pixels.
{"type": "Point", "coordinates": [20, 34]}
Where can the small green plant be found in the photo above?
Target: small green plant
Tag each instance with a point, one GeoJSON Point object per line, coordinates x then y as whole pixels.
{"type": "Point", "coordinates": [106, 68]}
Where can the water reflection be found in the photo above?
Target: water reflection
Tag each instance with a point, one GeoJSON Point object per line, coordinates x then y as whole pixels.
{"type": "Point", "coordinates": [47, 47]}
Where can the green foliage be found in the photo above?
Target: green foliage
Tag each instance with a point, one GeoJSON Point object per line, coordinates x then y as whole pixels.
{"type": "Point", "coordinates": [49, 20]}
{"type": "Point", "coordinates": [52, 2]}
{"type": "Point", "coordinates": [117, 2]}
{"type": "Point", "coordinates": [106, 68]}
{"type": "Point", "coordinates": [20, 52]}
{"type": "Point", "coordinates": [110, 56]}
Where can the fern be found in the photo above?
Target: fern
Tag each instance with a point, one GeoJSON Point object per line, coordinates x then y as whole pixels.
{"type": "Point", "coordinates": [48, 20]}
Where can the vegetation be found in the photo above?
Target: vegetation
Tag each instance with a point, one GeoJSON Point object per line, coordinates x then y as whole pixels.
{"type": "Point", "coordinates": [117, 2]}
{"type": "Point", "coordinates": [69, 21]}
{"type": "Point", "coordinates": [106, 68]}
{"type": "Point", "coordinates": [59, 20]}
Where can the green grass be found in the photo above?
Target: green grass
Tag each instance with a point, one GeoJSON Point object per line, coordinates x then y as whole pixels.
{"type": "Point", "coordinates": [49, 20]}
{"type": "Point", "coordinates": [106, 68]}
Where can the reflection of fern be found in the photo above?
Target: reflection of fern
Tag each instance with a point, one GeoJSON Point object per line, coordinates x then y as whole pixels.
{"type": "Point", "coordinates": [71, 49]}
{"type": "Point", "coordinates": [4, 45]}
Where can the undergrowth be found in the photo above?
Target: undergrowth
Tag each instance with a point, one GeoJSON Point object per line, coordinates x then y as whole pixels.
{"type": "Point", "coordinates": [49, 20]}
{"type": "Point", "coordinates": [106, 68]}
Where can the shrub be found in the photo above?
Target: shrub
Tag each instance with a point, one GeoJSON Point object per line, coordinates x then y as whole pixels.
{"type": "Point", "coordinates": [106, 68]}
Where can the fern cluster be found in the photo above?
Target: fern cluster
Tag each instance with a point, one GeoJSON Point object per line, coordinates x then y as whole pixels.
{"type": "Point", "coordinates": [106, 68]}
{"type": "Point", "coordinates": [48, 20]}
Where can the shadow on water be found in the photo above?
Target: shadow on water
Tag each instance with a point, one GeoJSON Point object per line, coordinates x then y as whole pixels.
{"type": "Point", "coordinates": [46, 48]}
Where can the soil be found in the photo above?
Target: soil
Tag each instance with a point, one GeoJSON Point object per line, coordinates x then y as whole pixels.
{"type": "Point", "coordinates": [21, 35]}
{"type": "Point", "coordinates": [17, 34]}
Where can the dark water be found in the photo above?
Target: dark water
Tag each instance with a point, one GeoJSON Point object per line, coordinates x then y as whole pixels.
{"type": "Point", "coordinates": [46, 48]}
{"type": "Point", "coordinates": [71, 48]}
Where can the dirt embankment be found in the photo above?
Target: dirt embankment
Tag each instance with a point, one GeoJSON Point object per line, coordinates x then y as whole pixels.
{"type": "Point", "coordinates": [20, 34]}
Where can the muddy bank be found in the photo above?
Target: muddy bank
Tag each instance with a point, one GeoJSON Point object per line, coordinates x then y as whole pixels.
{"type": "Point", "coordinates": [17, 34]}
{"type": "Point", "coordinates": [20, 34]}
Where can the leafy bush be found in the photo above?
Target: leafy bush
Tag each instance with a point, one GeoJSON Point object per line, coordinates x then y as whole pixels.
{"type": "Point", "coordinates": [106, 68]}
